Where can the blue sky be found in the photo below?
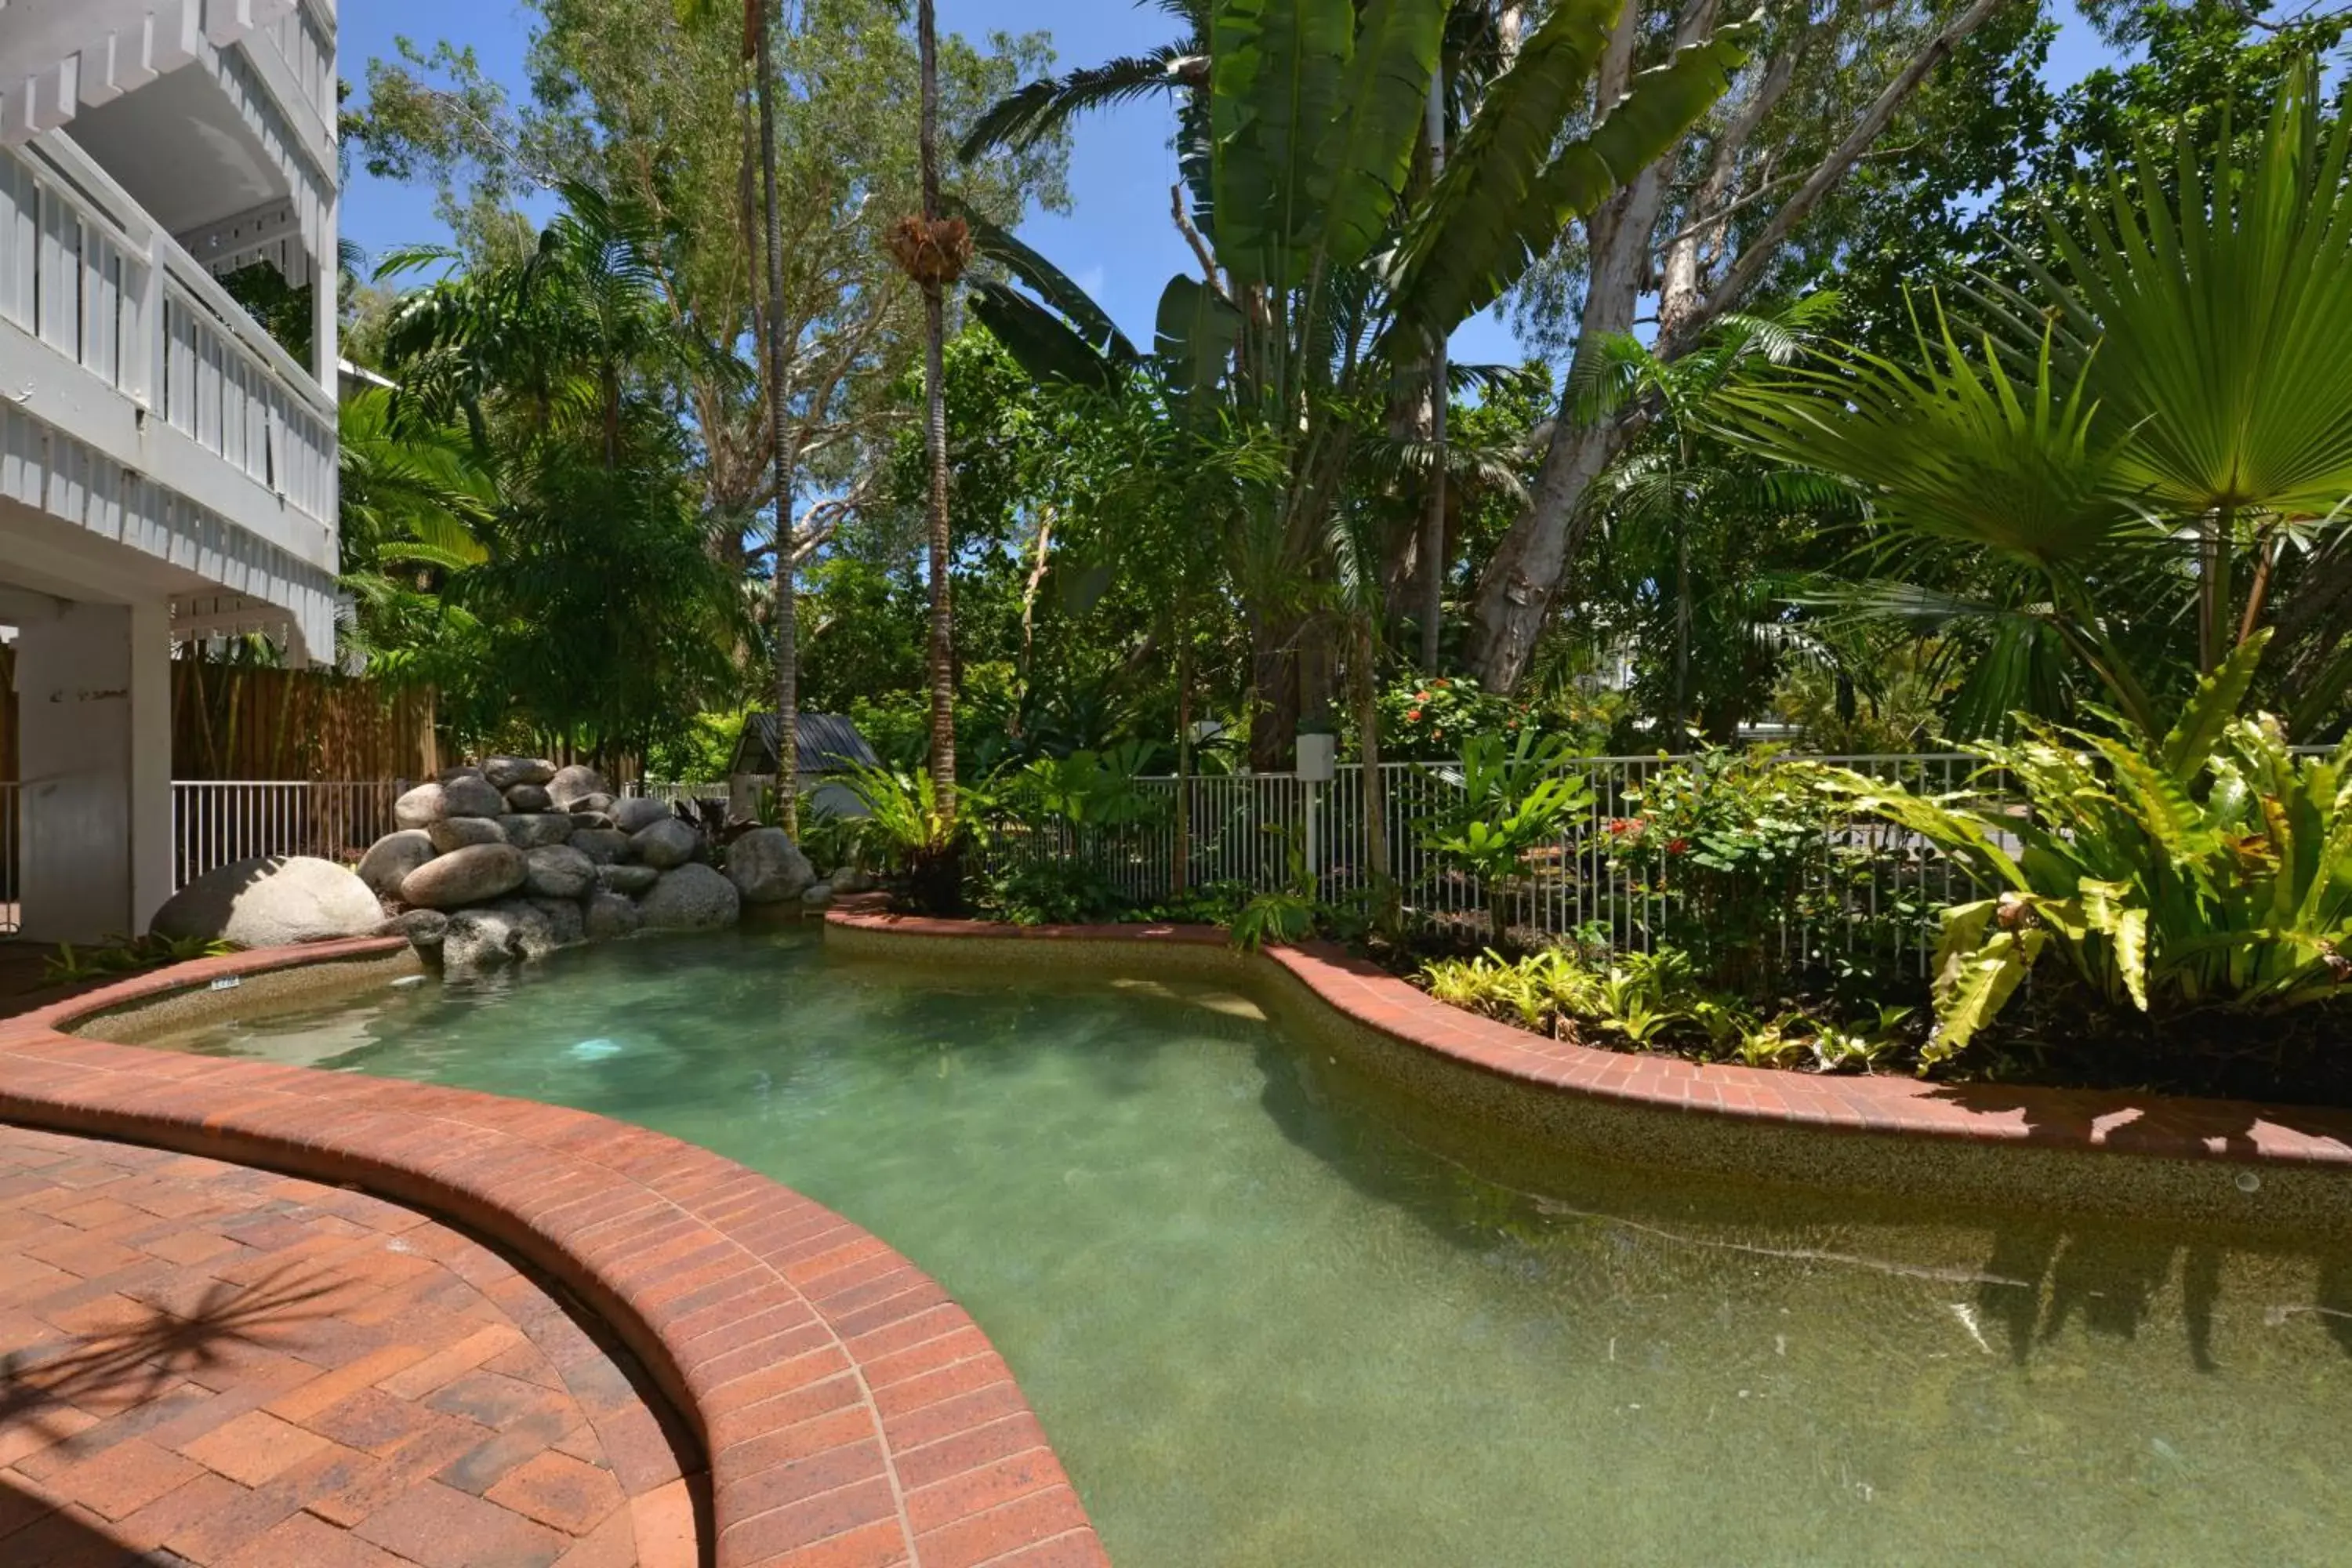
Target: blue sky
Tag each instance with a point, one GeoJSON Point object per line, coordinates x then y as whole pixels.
{"type": "Point", "coordinates": [1118, 241]}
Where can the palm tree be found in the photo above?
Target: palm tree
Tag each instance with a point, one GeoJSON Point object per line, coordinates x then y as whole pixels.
{"type": "Point", "coordinates": [2191, 379]}
{"type": "Point", "coordinates": [934, 251]}
{"type": "Point", "coordinates": [1329, 279]}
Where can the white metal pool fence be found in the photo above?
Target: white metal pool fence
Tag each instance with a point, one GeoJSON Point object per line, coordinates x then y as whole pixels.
{"type": "Point", "coordinates": [1873, 885]}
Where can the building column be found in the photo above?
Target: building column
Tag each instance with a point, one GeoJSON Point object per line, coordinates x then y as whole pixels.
{"type": "Point", "coordinates": [94, 718]}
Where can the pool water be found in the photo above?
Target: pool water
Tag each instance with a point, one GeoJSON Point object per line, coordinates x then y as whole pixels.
{"type": "Point", "coordinates": [1265, 1324]}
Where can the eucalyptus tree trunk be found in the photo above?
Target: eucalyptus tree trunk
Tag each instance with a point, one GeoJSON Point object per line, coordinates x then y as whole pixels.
{"type": "Point", "coordinates": [1515, 594]}
{"type": "Point", "coordinates": [788, 661]}
{"type": "Point", "coordinates": [935, 432]}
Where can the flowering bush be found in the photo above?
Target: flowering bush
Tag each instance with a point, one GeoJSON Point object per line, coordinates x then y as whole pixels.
{"type": "Point", "coordinates": [1433, 718]}
{"type": "Point", "coordinates": [1737, 853]}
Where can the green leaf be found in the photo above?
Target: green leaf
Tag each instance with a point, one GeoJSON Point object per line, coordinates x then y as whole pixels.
{"type": "Point", "coordinates": [1368, 152]}
{"type": "Point", "coordinates": [1982, 986]}
{"type": "Point", "coordinates": [1275, 80]}
{"type": "Point", "coordinates": [2218, 696]}
{"type": "Point", "coordinates": [1505, 199]}
{"type": "Point", "coordinates": [1049, 283]}
{"type": "Point", "coordinates": [1197, 331]}
{"type": "Point", "coordinates": [1039, 341]}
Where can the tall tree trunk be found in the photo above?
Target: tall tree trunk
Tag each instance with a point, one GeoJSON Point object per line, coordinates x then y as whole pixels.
{"type": "Point", "coordinates": [1432, 528]}
{"type": "Point", "coordinates": [788, 656]}
{"type": "Point", "coordinates": [1515, 595]}
{"type": "Point", "coordinates": [1273, 692]}
{"type": "Point", "coordinates": [1378, 875]}
{"type": "Point", "coordinates": [935, 431]}
{"type": "Point", "coordinates": [1181, 873]}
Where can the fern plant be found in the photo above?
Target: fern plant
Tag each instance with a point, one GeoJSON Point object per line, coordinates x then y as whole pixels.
{"type": "Point", "coordinates": [1515, 798]}
{"type": "Point", "coordinates": [2209, 866]}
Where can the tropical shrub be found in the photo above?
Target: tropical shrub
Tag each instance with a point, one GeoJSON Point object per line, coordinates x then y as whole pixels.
{"type": "Point", "coordinates": [1432, 719]}
{"type": "Point", "coordinates": [920, 845]}
{"type": "Point", "coordinates": [2208, 867]}
{"type": "Point", "coordinates": [1646, 1001]}
{"type": "Point", "coordinates": [1515, 798]}
{"type": "Point", "coordinates": [1736, 856]}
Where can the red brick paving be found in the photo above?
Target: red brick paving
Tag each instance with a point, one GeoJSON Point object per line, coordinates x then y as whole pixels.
{"type": "Point", "coordinates": [763, 1318]}
{"type": "Point", "coordinates": [2165, 1126]}
{"type": "Point", "coordinates": [226, 1366]}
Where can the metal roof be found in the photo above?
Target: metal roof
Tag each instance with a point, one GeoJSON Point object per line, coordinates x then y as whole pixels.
{"type": "Point", "coordinates": [829, 743]}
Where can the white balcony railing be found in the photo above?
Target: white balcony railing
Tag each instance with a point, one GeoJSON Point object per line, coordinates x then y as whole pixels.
{"type": "Point", "coordinates": [84, 270]}
{"type": "Point", "coordinates": [308, 47]}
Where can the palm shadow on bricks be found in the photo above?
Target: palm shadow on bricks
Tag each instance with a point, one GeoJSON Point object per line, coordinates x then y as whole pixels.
{"type": "Point", "coordinates": [131, 1365]}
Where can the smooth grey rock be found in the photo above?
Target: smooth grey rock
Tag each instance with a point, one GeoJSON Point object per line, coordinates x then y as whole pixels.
{"type": "Point", "coordinates": [473, 874]}
{"type": "Point", "coordinates": [564, 918]}
{"type": "Point", "coordinates": [424, 805]}
{"type": "Point", "coordinates": [273, 900]}
{"type": "Point", "coordinates": [634, 881]}
{"type": "Point", "coordinates": [817, 895]}
{"type": "Point", "coordinates": [509, 933]}
{"type": "Point", "coordinates": [599, 802]}
{"type": "Point", "coordinates": [454, 833]}
{"type": "Point", "coordinates": [423, 928]}
{"type": "Point", "coordinates": [593, 819]}
{"type": "Point", "coordinates": [610, 916]}
{"type": "Point", "coordinates": [567, 787]}
{"type": "Point", "coordinates": [527, 797]}
{"type": "Point", "coordinates": [558, 871]}
{"type": "Point", "coordinates": [636, 814]}
{"type": "Point", "coordinates": [691, 898]}
{"type": "Point", "coordinates": [767, 866]}
{"type": "Point", "coordinates": [534, 831]}
{"type": "Point", "coordinates": [392, 857]}
{"type": "Point", "coordinates": [471, 797]}
{"type": "Point", "coordinates": [666, 843]}
{"type": "Point", "coordinates": [848, 880]}
{"type": "Point", "coordinates": [505, 772]}
{"type": "Point", "coordinates": [602, 845]}
{"type": "Point", "coordinates": [462, 770]}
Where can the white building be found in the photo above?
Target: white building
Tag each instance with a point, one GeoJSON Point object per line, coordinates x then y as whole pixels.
{"type": "Point", "coordinates": [166, 470]}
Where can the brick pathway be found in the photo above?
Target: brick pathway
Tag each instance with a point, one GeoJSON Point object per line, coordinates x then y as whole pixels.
{"type": "Point", "coordinates": [202, 1364]}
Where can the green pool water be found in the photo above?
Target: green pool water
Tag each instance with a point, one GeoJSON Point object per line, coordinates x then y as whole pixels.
{"type": "Point", "coordinates": [1264, 1323]}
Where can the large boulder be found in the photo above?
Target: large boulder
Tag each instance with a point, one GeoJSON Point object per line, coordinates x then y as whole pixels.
{"type": "Point", "coordinates": [271, 901]}
{"type": "Point", "coordinates": [568, 785]}
{"type": "Point", "coordinates": [473, 874]}
{"type": "Point", "coordinates": [471, 797]}
{"type": "Point", "coordinates": [427, 803]}
{"type": "Point", "coordinates": [600, 803]}
{"type": "Point", "coordinates": [506, 773]}
{"type": "Point", "coordinates": [816, 896]}
{"type": "Point", "coordinates": [509, 933]}
{"type": "Point", "coordinates": [593, 819]}
{"type": "Point", "coordinates": [392, 857]}
{"type": "Point", "coordinates": [558, 871]}
{"type": "Point", "coordinates": [638, 813]}
{"type": "Point", "coordinates": [634, 880]}
{"type": "Point", "coordinates": [534, 831]}
{"type": "Point", "coordinates": [767, 866]}
{"type": "Point", "coordinates": [691, 898]}
{"type": "Point", "coordinates": [666, 843]}
{"type": "Point", "coordinates": [452, 834]}
{"type": "Point", "coordinates": [528, 798]}
{"type": "Point", "coordinates": [602, 845]}
{"type": "Point", "coordinates": [609, 916]}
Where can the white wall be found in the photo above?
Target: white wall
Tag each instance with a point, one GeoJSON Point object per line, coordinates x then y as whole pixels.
{"type": "Point", "coordinates": [93, 705]}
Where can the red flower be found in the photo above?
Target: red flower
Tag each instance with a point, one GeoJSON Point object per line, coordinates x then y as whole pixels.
{"type": "Point", "coordinates": [1421, 697]}
{"type": "Point", "coordinates": [1441, 683]}
{"type": "Point", "coordinates": [1677, 846]}
{"type": "Point", "coordinates": [1413, 716]}
{"type": "Point", "coordinates": [1621, 826]}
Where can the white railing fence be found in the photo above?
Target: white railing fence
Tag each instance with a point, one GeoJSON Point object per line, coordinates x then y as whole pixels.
{"type": "Point", "coordinates": [1871, 884]}
{"type": "Point", "coordinates": [214, 822]}
{"type": "Point", "coordinates": [675, 792]}
{"type": "Point", "coordinates": [10, 916]}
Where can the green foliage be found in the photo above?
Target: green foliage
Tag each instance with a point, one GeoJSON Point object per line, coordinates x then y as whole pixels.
{"type": "Point", "coordinates": [1515, 798]}
{"type": "Point", "coordinates": [1433, 718]}
{"type": "Point", "coordinates": [1272, 920]}
{"type": "Point", "coordinates": [70, 965]}
{"type": "Point", "coordinates": [903, 821]}
{"type": "Point", "coordinates": [1656, 1000]}
{"type": "Point", "coordinates": [1735, 853]}
{"type": "Point", "coordinates": [2204, 867]}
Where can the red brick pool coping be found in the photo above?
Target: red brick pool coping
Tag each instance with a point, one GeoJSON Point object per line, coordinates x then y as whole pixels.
{"type": "Point", "coordinates": [851, 1412]}
{"type": "Point", "coordinates": [2087, 1121]}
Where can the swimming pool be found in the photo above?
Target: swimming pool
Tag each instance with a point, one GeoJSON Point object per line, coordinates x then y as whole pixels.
{"type": "Point", "coordinates": [1266, 1323]}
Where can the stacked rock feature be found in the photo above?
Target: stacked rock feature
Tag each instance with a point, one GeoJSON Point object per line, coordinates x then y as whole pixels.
{"type": "Point", "coordinates": [517, 857]}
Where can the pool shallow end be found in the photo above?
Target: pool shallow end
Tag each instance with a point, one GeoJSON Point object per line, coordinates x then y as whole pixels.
{"type": "Point", "coordinates": [848, 1408]}
{"type": "Point", "coordinates": [2134, 1156]}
